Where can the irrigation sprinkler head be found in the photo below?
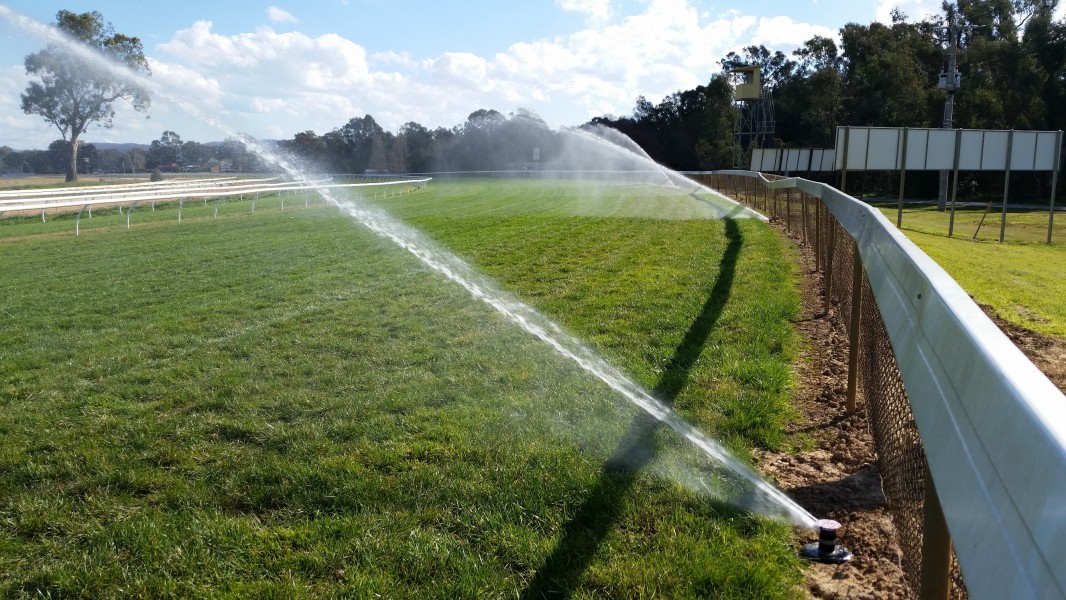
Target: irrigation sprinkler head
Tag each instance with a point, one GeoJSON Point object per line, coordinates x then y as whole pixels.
{"type": "Point", "coordinates": [826, 549]}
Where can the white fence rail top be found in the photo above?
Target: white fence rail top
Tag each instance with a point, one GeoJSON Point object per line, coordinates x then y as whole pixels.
{"type": "Point", "coordinates": [186, 193]}
{"type": "Point", "coordinates": [9, 195]}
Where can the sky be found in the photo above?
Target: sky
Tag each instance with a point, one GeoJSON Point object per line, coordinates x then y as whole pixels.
{"type": "Point", "coordinates": [275, 68]}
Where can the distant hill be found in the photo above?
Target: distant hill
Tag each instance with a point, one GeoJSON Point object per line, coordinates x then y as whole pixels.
{"type": "Point", "coordinates": [120, 147]}
{"type": "Point", "coordinates": [126, 147]}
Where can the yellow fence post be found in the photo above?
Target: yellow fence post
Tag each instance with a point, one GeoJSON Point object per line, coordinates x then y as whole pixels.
{"type": "Point", "coordinates": [936, 547]}
{"type": "Point", "coordinates": [853, 334]}
{"type": "Point", "coordinates": [831, 225]}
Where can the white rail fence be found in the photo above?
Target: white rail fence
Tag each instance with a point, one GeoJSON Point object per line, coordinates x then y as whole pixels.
{"type": "Point", "coordinates": [993, 427]}
{"type": "Point", "coordinates": [129, 196]}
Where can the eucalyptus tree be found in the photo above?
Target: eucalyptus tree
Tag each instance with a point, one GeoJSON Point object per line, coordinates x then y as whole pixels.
{"type": "Point", "coordinates": [418, 145]}
{"type": "Point", "coordinates": [1045, 41]}
{"type": "Point", "coordinates": [812, 103]}
{"type": "Point", "coordinates": [74, 89]}
{"type": "Point", "coordinates": [890, 74]}
{"type": "Point", "coordinates": [361, 140]}
{"type": "Point", "coordinates": [1003, 84]}
{"type": "Point", "coordinates": [166, 151]}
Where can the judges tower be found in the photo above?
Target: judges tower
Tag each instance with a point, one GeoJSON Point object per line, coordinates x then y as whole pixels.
{"type": "Point", "coordinates": [754, 124]}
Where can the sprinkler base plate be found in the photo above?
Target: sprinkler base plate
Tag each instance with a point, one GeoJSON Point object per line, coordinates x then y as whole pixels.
{"type": "Point", "coordinates": [840, 554]}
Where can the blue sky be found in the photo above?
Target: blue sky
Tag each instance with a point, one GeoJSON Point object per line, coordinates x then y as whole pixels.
{"type": "Point", "coordinates": [274, 68]}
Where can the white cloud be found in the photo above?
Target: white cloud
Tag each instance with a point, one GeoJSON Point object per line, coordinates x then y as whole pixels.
{"type": "Point", "coordinates": [402, 59]}
{"type": "Point", "coordinates": [279, 15]}
{"type": "Point", "coordinates": [595, 9]}
{"type": "Point", "coordinates": [460, 67]}
{"type": "Point", "coordinates": [783, 32]}
{"type": "Point", "coordinates": [666, 48]}
{"type": "Point", "coordinates": [321, 82]}
{"type": "Point", "coordinates": [916, 10]}
{"type": "Point", "coordinates": [13, 82]}
{"type": "Point", "coordinates": [288, 80]}
{"type": "Point", "coordinates": [278, 58]}
{"type": "Point", "coordinates": [206, 90]}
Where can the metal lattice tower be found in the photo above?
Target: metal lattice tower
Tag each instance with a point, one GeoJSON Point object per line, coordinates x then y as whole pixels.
{"type": "Point", "coordinates": [754, 124]}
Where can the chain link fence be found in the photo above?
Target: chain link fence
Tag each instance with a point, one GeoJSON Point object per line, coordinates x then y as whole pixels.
{"type": "Point", "coordinates": [874, 373]}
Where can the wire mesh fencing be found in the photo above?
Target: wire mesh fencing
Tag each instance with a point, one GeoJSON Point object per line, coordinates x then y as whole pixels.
{"type": "Point", "coordinates": [874, 375]}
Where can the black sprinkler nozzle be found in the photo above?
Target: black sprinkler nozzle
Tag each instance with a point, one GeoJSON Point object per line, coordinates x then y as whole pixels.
{"type": "Point", "coordinates": [826, 549]}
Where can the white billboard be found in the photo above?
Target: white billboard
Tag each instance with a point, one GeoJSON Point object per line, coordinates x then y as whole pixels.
{"type": "Point", "coordinates": [791, 160]}
{"type": "Point", "coordinates": [926, 149]}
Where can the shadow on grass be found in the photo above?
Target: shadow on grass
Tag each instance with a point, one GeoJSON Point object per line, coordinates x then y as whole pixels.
{"type": "Point", "coordinates": [735, 210]}
{"type": "Point", "coordinates": [604, 505]}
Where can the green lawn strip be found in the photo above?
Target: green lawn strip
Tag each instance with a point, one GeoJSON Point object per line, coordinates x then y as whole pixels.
{"type": "Point", "coordinates": [1023, 226]}
{"type": "Point", "coordinates": [283, 404]}
{"type": "Point", "coordinates": [633, 287]}
{"type": "Point", "coordinates": [1023, 282]}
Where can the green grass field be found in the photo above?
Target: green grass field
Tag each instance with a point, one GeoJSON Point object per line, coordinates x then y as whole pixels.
{"type": "Point", "coordinates": [281, 404]}
{"type": "Point", "coordinates": [1023, 278]}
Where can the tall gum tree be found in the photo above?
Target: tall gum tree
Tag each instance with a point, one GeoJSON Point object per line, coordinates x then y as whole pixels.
{"type": "Point", "coordinates": [75, 91]}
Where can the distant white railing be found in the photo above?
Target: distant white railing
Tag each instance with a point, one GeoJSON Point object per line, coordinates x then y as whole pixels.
{"type": "Point", "coordinates": [130, 195]}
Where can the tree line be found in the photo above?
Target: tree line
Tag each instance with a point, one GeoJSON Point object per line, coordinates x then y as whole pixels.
{"type": "Point", "coordinates": [487, 141]}
{"type": "Point", "coordinates": [167, 154]}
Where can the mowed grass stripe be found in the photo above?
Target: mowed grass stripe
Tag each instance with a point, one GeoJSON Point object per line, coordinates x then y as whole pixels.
{"type": "Point", "coordinates": [282, 404]}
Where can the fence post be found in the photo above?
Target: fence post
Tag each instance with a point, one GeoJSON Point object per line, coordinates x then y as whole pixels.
{"type": "Point", "coordinates": [1006, 186]}
{"type": "Point", "coordinates": [955, 181]}
{"type": "Point", "coordinates": [829, 263]}
{"type": "Point", "coordinates": [818, 236]}
{"type": "Point", "coordinates": [853, 334]}
{"type": "Point", "coordinates": [1054, 184]}
{"type": "Point", "coordinates": [788, 210]}
{"type": "Point", "coordinates": [902, 179]}
{"type": "Point", "coordinates": [936, 547]}
{"type": "Point", "coordinates": [844, 161]}
{"type": "Point", "coordinates": [77, 221]}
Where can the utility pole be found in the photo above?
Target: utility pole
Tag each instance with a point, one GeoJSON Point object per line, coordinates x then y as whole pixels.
{"type": "Point", "coordinates": [949, 81]}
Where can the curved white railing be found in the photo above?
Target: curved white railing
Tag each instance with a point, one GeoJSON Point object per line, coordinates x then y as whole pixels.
{"type": "Point", "coordinates": [993, 426]}
{"type": "Point", "coordinates": [10, 196]}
